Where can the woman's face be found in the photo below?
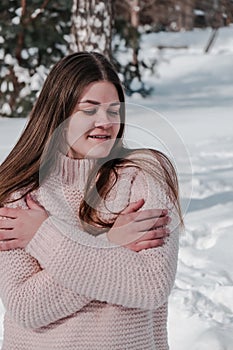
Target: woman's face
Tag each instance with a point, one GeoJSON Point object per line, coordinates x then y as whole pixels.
{"type": "Point", "coordinates": [95, 122]}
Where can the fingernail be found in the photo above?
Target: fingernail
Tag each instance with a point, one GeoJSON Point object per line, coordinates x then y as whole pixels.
{"type": "Point", "coordinates": [164, 211]}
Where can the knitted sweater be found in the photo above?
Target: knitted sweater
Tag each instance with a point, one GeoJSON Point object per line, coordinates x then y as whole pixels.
{"type": "Point", "coordinates": [71, 290]}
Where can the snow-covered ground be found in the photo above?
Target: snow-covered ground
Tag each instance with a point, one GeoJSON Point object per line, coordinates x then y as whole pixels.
{"type": "Point", "coordinates": [193, 93]}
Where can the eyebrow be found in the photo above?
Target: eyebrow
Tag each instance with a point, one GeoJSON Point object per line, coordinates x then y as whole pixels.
{"type": "Point", "coordinates": [98, 103]}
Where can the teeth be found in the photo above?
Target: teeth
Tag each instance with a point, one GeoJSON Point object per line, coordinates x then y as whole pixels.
{"type": "Point", "coordinates": [99, 137]}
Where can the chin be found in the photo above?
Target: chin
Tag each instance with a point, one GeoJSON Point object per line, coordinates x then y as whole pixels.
{"type": "Point", "coordinates": [98, 153]}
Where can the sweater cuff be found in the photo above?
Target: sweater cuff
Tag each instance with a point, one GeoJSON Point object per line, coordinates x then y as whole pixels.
{"type": "Point", "coordinates": [44, 243]}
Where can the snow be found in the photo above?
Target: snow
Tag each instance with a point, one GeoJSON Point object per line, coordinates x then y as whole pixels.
{"type": "Point", "coordinates": [192, 103]}
{"type": "Point", "coordinates": [199, 12]}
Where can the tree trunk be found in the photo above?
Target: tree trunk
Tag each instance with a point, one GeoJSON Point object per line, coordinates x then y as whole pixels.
{"type": "Point", "coordinates": [211, 40]}
{"type": "Point", "coordinates": [91, 26]}
{"type": "Point", "coordinates": [134, 16]}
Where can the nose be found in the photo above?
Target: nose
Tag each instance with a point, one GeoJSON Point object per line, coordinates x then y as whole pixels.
{"type": "Point", "coordinates": [102, 119]}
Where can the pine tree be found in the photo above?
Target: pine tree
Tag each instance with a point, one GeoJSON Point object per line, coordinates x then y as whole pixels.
{"type": "Point", "coordinates": [127, 31]}
{"type": "Point", "coordinates": [31, 39]}
{"type": "Point", "coordinates": [92, 26]}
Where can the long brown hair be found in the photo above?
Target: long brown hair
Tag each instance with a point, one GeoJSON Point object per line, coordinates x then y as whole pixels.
{"type": "Point", "coordinates": [25, 167]}
{"type": "Point", "coordinates": [61, 91]}
{"type": "Point", "coordinates": [152, 162]}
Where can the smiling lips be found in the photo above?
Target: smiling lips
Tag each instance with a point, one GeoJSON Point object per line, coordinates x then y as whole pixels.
{"type": "Point", "coordinates": [100, 137]}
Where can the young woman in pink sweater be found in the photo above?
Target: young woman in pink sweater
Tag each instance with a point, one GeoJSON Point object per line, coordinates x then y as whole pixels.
{"type": "Point", "coordinates": [82, 267]}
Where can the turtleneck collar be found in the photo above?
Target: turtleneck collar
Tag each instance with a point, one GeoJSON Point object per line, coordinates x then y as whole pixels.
{"type": "Point", "coordinates": [71, 171]}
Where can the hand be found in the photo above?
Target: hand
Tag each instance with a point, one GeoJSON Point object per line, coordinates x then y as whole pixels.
{"type": "Point", "coordinates": [137, 230]}
{"type": "Point", "coordinates": [18, 226]}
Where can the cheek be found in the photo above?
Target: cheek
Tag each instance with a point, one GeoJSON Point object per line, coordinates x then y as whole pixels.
{"type": "Point", "coordinates": [77, 129]}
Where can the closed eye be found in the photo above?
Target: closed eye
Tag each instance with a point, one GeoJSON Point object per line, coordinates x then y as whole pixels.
{"type": "Point", "coordinates": [91, 111]}
{"type": "Point", "coordinates": [113, 113]}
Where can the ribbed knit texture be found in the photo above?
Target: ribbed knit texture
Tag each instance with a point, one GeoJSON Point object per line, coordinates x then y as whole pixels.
{"type": "Point", "coordinates": [87, 293]}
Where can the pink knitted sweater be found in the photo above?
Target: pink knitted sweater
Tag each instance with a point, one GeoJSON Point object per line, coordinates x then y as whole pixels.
{"type": "Point", "coordinates": [72, 291]}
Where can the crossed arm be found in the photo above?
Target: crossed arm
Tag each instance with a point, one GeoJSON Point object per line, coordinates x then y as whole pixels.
{"type": "Point", "coordinates": [133, 279]}
{"type": "Point", "coordinates": [111, 274]}
{"type": "Point", "coordinates": [30, 295]}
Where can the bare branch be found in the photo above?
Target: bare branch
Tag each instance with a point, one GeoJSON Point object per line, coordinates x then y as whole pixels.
{"type": "Point", "coordinates": [36, 13]}
{"type": "Point", "coordinates": [147, 5]}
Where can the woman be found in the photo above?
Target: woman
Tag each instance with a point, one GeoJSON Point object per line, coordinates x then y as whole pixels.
{"type": "Point", "coordinates": [93, 283]}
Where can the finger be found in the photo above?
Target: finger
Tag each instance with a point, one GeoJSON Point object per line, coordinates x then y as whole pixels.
{"type": "Point", "coordinates": [149, 244]}
{"type": "Point", "coordinates": [154, 234]}
{"type": "Point", "coordinates": [150, 213]}
{"type": "Point", "coordinates": [8, 245]}
{"type": "Point", "coordinates": [151, 235]}
{"type": "Point", "coordinates": [162, 221]}
{"type": "Point", "coordinates": [9, 212]}
{"type": "Point", "coordinates": [132, 207]}
{"type": "Point", "coordinates": [149, 224]}
{"type": "Point", "coordinates": [7, 223]}
{"type": "Point", "coordinates": [7, 234]}
{"type": "Point", "coordinates": [32, 204]}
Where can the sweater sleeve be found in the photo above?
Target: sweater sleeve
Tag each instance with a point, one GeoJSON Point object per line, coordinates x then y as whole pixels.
{"type": "Point", "coordinates": [111, 273]}
{"type": "Point", "coordinates": [30, 295]}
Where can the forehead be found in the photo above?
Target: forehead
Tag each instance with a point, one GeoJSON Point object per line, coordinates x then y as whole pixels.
{"type": "Point", "coordinates": [102, 92]}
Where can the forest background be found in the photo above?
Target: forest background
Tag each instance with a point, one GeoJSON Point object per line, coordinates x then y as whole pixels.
{"type": "Point", "coordinates": [35, 34]}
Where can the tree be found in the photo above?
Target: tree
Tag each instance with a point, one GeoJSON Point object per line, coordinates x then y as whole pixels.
{"type": "Point", "coordinates": [32, 39]}
{"type": "Point", "coordinates": [127, 29]}
{"type": "Point", "coordinates": [92, 26]}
